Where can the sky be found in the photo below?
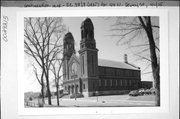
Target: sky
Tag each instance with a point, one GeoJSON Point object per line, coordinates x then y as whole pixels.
{"type": "Point", "coordinates": [106, 44]}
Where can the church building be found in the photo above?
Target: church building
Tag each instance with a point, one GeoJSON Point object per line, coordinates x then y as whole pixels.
{"type": "Point", "coordinates": [89, 75]}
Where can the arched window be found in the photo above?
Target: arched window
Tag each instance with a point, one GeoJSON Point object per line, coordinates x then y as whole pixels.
{"type": "Point", "coordinates": [93, 85]}
{"type": "Point", "coordinates": [111, 83]}
{"type": "Point", "coordinates": [129, 82]}
{"type": "Point", "coordinates": [86, 33]}
{"type": "Point", "coordinates": [82, 34]}
{"type": "Point", "coordinates": [91, 34]}
{"type": "Point", "coordinates": [83, 64]}
{"type": "Point", "coordinates": [99, 82]}
{"type": "Point", "coordinates": [116, 83]}
{"type": "Point", "coordinates": [105, 83]}
{"type": "Point", "coordinates": [84, 86]}
{"type": "Point", "coordinates": [92, 58]}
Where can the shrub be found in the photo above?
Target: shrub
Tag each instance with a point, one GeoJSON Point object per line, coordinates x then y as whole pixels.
{"type": "Point", "coordinates": [78, 95]}
{"type": "Point", "coordinates": [63, 94]}
{"type": "Point", "coordinates": [46, 95]}
{"type": "Point", "coordinates": [134, 93]}
{"type": "Point", "coordinates": [60, 92]}
{"type": "Point", "coordinates": [153, 91]}
{"type": "Point", "coordinates": [40, 95]}
{"type": "Point", "coordinates": [147, 92]}
{"type": "Point", "coordinates": [40, 103]}
{"type": "Point", "coordinates": [141, 91]}
{"type": "Point", "coordinates": [30, 98]}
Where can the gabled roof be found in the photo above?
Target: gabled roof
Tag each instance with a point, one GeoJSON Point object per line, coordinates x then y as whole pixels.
{"type": "Point", "coordinates": [74, 57]}
{"type": "Point", "coordinates": [116, 64]}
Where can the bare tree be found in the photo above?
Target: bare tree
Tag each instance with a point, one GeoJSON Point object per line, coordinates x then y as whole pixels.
{"type": "Point", "coordinates": [56, 70]}
{"type": "Point", "coordinates": [40, 81]}
{"type": "Point", "coordinates": [56, 66]}
{"type": "Point", "coordinates": [129, 30]}
{"type": "Point", "coordinates": [42, 36]}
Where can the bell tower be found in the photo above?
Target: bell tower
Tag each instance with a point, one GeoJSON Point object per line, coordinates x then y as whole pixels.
{"type": "Point", "coordinates": [88, 51]}
{"type": "Point", "coordinates": [68, 50]}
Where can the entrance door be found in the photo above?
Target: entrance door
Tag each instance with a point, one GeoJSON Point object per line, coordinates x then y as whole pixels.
{"type": "Point", "coordinates": [69, 89]}
{"type": "Point", "coordinates": [76, 88]}
{"type": "Point", "coordinates": [72, 89]}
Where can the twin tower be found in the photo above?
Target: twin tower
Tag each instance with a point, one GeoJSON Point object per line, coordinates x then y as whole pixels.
{"type": "Point", "coordinates": [88, 57]}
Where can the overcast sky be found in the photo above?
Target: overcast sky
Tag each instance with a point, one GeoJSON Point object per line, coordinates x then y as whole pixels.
{"type": "Point", "coordinates": [107, 46]}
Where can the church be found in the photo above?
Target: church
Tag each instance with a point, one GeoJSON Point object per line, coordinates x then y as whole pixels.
{"type": "Point", "coordinates": [87, 74]}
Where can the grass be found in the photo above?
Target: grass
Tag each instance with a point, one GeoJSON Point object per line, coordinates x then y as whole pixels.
{"type": "Point", "coordinates": [143, 98]}
{"type": "Point", "coordinates": [104, 101]}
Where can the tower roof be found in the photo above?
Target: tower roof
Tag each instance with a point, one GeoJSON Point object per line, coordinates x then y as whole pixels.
{"type": "Point", "coordinates": [68, 36]}
{"type": "Point", "coordinates": [87, 23]}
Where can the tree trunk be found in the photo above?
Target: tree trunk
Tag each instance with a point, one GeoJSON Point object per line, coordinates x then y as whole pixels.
{"type": "Point", "coordinates": [42, 87]}
{"type": "Point", "coordinates": [57, 91]}
{"type": "Point", "coordinates": [157, 85]}
{"type": "Point", "coordinates": [42, 93]}
{"type": "Point", "coordinates": [48, 90]}
{"type": "Point", "coordinates": [154, 64]}
{"type": "Point", "coordinates": [49, 93]}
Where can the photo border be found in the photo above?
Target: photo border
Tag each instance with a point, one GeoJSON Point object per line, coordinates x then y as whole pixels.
{"type": "Point", "coordinates": [83, 12]}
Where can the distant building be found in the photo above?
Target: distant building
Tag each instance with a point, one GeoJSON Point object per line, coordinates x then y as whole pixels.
{"type": "Point", "coordinates": [88, 75]}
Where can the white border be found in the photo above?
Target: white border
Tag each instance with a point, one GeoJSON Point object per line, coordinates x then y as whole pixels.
{"type": "Point", "coordinates": [75, 12]}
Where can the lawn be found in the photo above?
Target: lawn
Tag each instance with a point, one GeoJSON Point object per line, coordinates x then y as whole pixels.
{"type": "Point", "coordinates": [143, 98]}
{"type": "Point", "coordinates": [104, 101]}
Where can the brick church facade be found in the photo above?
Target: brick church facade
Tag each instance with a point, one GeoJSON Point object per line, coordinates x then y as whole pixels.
{"type": "Point", "coordinates": [89, 75]}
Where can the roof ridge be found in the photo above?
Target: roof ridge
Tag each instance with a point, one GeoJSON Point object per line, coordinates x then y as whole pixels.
{"type": "Point", "coordinates": [133, 65]}
{"type": "Point", "coordinates": [116, 64]}
{"type": "Point", "coordinates": [110, 60]}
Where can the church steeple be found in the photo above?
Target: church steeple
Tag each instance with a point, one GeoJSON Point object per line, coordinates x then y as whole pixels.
{"type": "Point", "coordinates": [88, 51]}
{"type": "Point", "coordinates": [87, 34]}
{"type": "Point", "coordinates": [87, 29]}
{"type": "Point", "coordinates": [68, 44]}
{"type": "Point", "coordinates": [68, 50]}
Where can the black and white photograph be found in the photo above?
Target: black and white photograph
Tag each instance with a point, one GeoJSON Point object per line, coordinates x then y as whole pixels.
{"type": "Point", "coordinates": [92, 61]}
{"type": "Point", "coordinates": [95, 59]}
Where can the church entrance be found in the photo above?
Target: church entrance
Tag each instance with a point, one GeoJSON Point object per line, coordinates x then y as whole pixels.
{"type": "Point", "coordinates": [76, 89]}
{"type": "Point", "coordinates": [69, 88]}
{"type": "Point", "coordinates": [72, 89]}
